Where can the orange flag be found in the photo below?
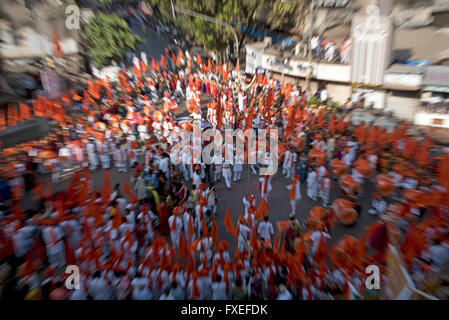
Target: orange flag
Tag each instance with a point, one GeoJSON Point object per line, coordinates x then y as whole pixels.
{"type": "Point", "coordinates": [143, 66]}
{"type": "Point", "coordinates": [249, 118]}
{"type": "Point", "coordinates": [262, 210]}
{"type": "Point", "coordinates": [198, 59]}
{"type": "Point", "coordinates": [117, 220]}
{"type": "Point", "coordinates": [57, 50]}
{"type": "Point", "coordinates": [191, 228]}
{"type": "Point", "coordinates": [137, 71]}
{"type": "Point", "coordinates": [204, 228]}
{"type": "Point", "coordinates": [229, 225]}
{"type": "Point", "coordinates": [128, 192]}
{"type": "Point", "coordinates": [106, 189]}
{"type": "Point", "coordinates": [259, 79]}
{"type": "Point", "coordinates": [214, 233]}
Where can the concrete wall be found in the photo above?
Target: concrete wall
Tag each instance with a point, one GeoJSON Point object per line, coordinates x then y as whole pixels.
{"type": "Point", "coordinates": [403, 105]}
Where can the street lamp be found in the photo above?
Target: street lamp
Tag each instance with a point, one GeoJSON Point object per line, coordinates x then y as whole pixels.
{"type": "Point", "coordinates": [213, 20]}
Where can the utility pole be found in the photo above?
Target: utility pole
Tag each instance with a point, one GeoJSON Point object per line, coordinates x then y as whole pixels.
{"type": "Point", "coordinates": [213, 20]}
{"type": "Point", "coordinates": [309, 49]}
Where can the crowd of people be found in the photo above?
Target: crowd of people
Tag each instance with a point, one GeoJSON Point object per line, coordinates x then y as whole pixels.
{"type": "Point", "coordinates": [155, 235]}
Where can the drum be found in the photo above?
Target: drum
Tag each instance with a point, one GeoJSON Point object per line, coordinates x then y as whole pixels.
{"type": "Point", "coordinates": [414, 197]}
{"type": "Point", "coordinates": [344, 251]}
{"type": "Point", "coordinates": [298, 144]}
{"type": "Point", "coordinates": [338, 168]}
{"type": "Point", "coordinates": [349, 187]}
{"type": "Point", "coordinates": [315, 221]}
{"type": "Point", "coordinates": [344, 211]}
{"type": "Point", "coordinates": [317, 156]}
{"type": "Point", "coordinates": [364, 168]}
{"type": "Point", "coordinates": [384, 184]}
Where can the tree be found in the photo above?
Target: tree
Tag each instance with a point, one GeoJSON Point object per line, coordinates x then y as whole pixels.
{"type": "Point", "coordinates": [249, 14]}
{"type": "Point", "coordinates": [108, 37]}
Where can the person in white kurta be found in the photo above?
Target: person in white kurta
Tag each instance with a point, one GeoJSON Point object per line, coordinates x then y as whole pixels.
{"type": "Point", "coordinates": [187, 219]}
{"type": "Point", "coordinates": [285, 166]}
{"type": "Point", "coordinates": [217, 165]}
{"type": "Point", "coordinates": [120, 159]}
{"type": "Point", "coordinates": [175, 222]}
{"type": "Point", "coordinates": [347, 158]}
{"type": "Point", "coordinates": [312, 185]}
{"type": "Point", "coordinates": [326, 186]}
{"type": "Point", "coordinates": [197, 178]}
{"type": "Point", "coordinates": [103, 154]}
{"type": "Point", "coordinates": [265, 229]}
{"type": "Point", "coordinates": [100, 289]}
{"type": "Point", "coordinates": [227, 175]}
{"type": "Point", "coordinates": [55, 246]}
{"type": "Point", "coordinates": [219, 289]}
{"type": "Point", "coordinates": [244, 234]}
{"type": "Point", "coordinates": [264, 192]}
{"type": "Point", "coordinates": [238, 167]}
{"type": "Point", "coordinates": [140, 187]}
{"type": "Point", "coordinates": [296, 196]}
{"type": "Point", "coordinates": [92, 156]}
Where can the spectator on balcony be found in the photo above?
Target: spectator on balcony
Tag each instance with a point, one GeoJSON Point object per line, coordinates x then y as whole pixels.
{"type": "Point", "coordinates": [345, 51]}
{"type": "Point", "coordinates": [314, 43]}
{"type": "Point", "coordinates": [330, 51]}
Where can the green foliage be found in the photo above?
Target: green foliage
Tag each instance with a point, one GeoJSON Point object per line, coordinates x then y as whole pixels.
{"type": "Point", "coordinates": [212, 36]}
{"type": "Point", "coordinates": [108, 37]}
{"type": "Point", "coordinates": [313, 101]}
{"type": "Point", "coordinates": [333, 104]}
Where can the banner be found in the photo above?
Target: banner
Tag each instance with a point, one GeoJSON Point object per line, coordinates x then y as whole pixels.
{"type": "Point", "coordinates": [399, 281]}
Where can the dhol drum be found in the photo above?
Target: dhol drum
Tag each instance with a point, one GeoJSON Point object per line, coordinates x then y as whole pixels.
{"type": "Point", "coordinates": [349, 187]}
{"type": "Point", "coordinates": [364, 168]}
{"type": "Point", "coordinates": [338, 168]}
{"type": "Point", "coordinates": [384, 184]}
{"type": "Point", "coordinates": [345, 212]}
{"type": "Point", "coordinates": [317, 219]}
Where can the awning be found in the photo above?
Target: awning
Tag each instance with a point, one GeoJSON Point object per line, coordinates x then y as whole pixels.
{"type": "Point", "coordinates": [443, 89]}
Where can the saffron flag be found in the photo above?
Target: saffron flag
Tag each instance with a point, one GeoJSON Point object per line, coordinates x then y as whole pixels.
{"type": "Point", "coordinates": [229, 225]}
